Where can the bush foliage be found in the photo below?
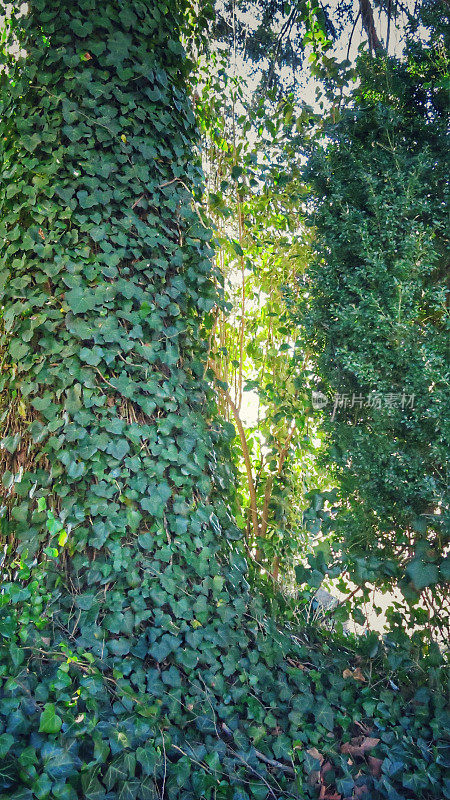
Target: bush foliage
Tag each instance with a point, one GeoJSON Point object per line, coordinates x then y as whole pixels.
{"type": "Point", "coordinates": [377, 311]}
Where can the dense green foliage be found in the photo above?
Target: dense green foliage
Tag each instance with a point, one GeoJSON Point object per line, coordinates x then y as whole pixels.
{"type": "Point", "coordinates": [377, 312]}
{"type": "Point", "coordinates": [135, 662]}
{"type": "Point", "coordinates": [259, 248]}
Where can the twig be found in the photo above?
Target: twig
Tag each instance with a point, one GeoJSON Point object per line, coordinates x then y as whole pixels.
{"type": "Point", "coordinates": [165, 766]}
{"type": "Point", "coordinates": [389, 10]}
{"type": "Point", "coordinates": [105, 379]}
{"type": "Point", "coordinates": [270, 761]}
{"type": "Point", "coordinates": [351, 35]}
{"type": "Point", "coordinates": [168, 183]}
{"type": "Point", "coordinates": [345, 600]}
{"type": "Point", "coordinates": [137, 201]}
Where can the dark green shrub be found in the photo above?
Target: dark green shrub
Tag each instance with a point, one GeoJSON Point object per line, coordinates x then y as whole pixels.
{"type": "Point", "coordinates": [377, 311]}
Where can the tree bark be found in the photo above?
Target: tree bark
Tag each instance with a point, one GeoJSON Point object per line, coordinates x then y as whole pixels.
{"type": "Point", "coordinates": [369, 26]}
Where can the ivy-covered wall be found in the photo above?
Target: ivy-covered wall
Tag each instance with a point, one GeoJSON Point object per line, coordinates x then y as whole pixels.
{"type": "Point", "coordinates": [134, 662]}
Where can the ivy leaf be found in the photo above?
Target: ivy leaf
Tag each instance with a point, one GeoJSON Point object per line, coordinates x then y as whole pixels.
{"type": "Point", "coordinates": [81, 29]}
{"type": "Point", "coordinates": [128, 18]}
{"type": "Point", "coordinates": [120, 647]}
{"type": "Point", "coordinates": [415, 782]}
{"type": "Point", "coordinates": [6, 742]}
{"type": "Point", "coordinates": [18, 350]}
{"type": "Point", "coordinates": [92, 788]}
{"type": "Point", "coordinates": [345, 786]}
{"type": "Point", "coordinates": [128, 790]}
{"type": "Point", "coordinates": [115, 773]}
{"type": "Point", "coordinates": [85, 601]}
{"type": "Point", "coordinates": [358, 616]}
{"type": "Point", "coordinates": [28, 757]}
{"type": "Point", "coordinates": [312, 760]}
{"type": "Point", "coordinates": [444, 568]}
{"type": "Point", "coordinates": [422, 574]}
{"type": "Point", "coordinates": [118, 44]}
{"type": "Point", "coordinates": [64, 791]}
{"type": "Point", "coordinates": [11, 443]}
{"type": "Point", "coordinates": [17, 654]}
{"type": "Point", "coordinates": [118, 448]}
{"type": "Point", "coordinates": [148, 790]}
{"type": "Point", "coordinates": [42, 403]}
{"type": "Point", "coordinates": [80, 300]}
{"type": "Point", "coordinates": [91, 357]}
{"type": "Point", "coordinates": [301, 574]}
{"type": "Point", "coordinates": [31, 142]}
{"type": "Point", "coordinates": [42, 786]}
{"type": "Point", "coordinates": [167, 644]}
{"type": "Point", "coordinates": [324, 715]}
{"type": "Point", "coordinates": [49, 721]}
{"type": "Point", "coordinates": [58, 761]}
{"type": "Point", "coordinates": [148, 758]}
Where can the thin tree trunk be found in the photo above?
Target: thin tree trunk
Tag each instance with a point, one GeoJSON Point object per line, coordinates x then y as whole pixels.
{"type": "Point", "coordinates": [369, 26]}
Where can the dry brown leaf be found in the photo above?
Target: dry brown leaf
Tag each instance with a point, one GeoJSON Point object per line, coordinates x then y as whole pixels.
{"type": "Point", "coordinates": [347, 674]}
{"type": "Point", "coordinates": [314, 753]}
{"type": "Point", "coordinates": [355, 674]}
{"type": "Point", "coordinates": [314, 778]}
{"type": "Point", "coordinates": [359, 746]}
{"type": "Point", "coordinates": [375, 765]}
{"type": "Point", "coordinates": [328, 794]}
{"type": "Point", "coordinates": [314, 775]}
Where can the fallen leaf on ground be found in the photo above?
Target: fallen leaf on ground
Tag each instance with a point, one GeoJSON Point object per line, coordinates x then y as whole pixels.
{"type": "Point", "coordinates": [314, 775]}
{"type": "Point", "coordinates": [328, 795]}
{"type": "Point", "coordinates": [359, 746]}
{"type": "Point", "coordinates": [375, 765]}
{"type": "Point", "coordinates": [314, 753]}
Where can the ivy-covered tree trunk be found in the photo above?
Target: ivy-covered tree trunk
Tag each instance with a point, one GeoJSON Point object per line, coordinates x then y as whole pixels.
{"type": "Point", "coordinates": [134, 662]}
{"type": "Point", "coordinates": [111, 472]}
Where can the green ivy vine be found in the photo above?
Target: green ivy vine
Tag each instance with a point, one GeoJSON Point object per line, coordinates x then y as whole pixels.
{"type": "Point", "coordinates": [135, 662]}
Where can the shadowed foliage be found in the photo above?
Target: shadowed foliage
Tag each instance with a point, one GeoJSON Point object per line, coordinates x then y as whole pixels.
{"type": "Point", "coordinates": [135, 662]}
